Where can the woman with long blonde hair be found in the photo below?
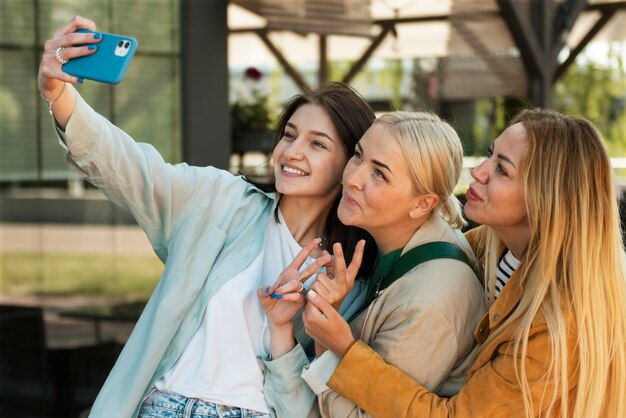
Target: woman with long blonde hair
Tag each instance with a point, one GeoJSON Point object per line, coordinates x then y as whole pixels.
{"type": "Point", "coordinates": [554, 340]}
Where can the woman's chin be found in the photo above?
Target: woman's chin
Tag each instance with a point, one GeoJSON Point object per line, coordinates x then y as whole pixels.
{"type": "Point", "coordinates": [346, 217]}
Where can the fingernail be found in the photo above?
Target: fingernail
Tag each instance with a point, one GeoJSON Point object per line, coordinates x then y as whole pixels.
{"type": "Point", "coordinates": [273, 295]}
{"type": "Point", "coordinates": [96, 36]}
{"type": "Point", "coordinates": [267, 289]}
{"type": "Point", "coordinates": [279, 296]}
{"type": "Point", "coordinates": [92, 47]}
{"type": "Point", "coordinates": [312, 294]}
{"type": "Point", "coordinates": [80, 79]}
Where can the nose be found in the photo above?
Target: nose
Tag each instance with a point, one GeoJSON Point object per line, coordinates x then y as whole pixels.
{"type": "Point", "coordinates": [352, 176]}
{"type": "Point", "coordinates": [480, 174]}
{"type": "Point", "coordinates": [294, 150]}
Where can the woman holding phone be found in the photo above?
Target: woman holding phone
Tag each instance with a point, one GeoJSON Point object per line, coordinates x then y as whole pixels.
{"type": "Point", "coordinates": [196, 345]}
{"type": "Point", "coordinates": [552, 343]}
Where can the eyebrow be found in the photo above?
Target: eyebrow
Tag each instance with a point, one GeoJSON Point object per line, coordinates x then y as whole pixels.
{"type": "Point", "coordinates": [502, 156]}
{"type": "Point", "coordinates": [375, 162]}
{"type": "Point", "coordinates": [314, 132]}
{"type": "Point", "coordinates": [507, 159]}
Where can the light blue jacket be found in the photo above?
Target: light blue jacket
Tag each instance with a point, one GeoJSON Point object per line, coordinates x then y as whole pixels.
{"type": "Point", "coordinates": [205, 224]}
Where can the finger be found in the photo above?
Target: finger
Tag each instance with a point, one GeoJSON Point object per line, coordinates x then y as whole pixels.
{"type": "Point", "coordinates": [324, 281]}
{"type": "Point", "coordinates": [290, 297]}
{"type": "Point", "coordinates": [320, 288]}
{"type": "Point", "coordinates": [340, 262]}
{"type": "Point", "coordinates": [51, 69]}
{"type": "Point", "coordinates": [320, 303]}
{"type": "Point", "coordinates": [330, 266]}
{"type": "Point", "coordinates": [69, 53]}
{"type": "Point", "coordinates": [313, 267]}
{"type": "Point", "coordinates": [304, 253]}
{"type": "Point", "coordinates": [264, 299]}
{"type": "Point", "coordinates": [77, 22]}
{"type": "Point", "coordinates": [355, 264]}
{"type": "Point", "coordinates": [309, 314]}
{"type": "Point", "coordinates": [294, 286]}
{"type": "Point", "coordinates": [263, 291]}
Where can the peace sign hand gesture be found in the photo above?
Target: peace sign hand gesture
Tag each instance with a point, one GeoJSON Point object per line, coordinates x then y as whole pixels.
{"type": "Point", "coordinates": [284, 299]}
{"type": "Point", "coordinates": [335, 285]}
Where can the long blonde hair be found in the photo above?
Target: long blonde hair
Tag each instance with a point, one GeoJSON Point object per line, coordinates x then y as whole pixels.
{"type": "Point", "coordinates": [434, 154]}
{"type": "Point", "coordinates": [573, 265]}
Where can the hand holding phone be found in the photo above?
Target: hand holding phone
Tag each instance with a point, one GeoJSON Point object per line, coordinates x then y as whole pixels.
{"type": "Point", "coordinates": [109, 63]}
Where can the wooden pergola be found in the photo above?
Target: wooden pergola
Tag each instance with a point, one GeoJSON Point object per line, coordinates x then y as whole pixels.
{"type": "Point", "coordinates": [512, 47]}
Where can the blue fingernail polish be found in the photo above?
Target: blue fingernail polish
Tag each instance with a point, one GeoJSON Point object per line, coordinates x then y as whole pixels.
{"type": "Point", "coordinates": [273, 295]}
{"type": "Point", "coordinates": [279, 297]}
{"type": "Point", "coordinates": [96, 36]}
{"type": "Point", "coordinates": [92, 47]}
{"type": "Point", "coordinates": [80, 79]}
{"type": "Point", "coordinates": [267, 289]}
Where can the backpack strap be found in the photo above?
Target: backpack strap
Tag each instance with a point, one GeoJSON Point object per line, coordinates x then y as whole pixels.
{"type": "Point", "coordinates": [420, 254]}
{"type": "Point", "coordinates": [411, 259]}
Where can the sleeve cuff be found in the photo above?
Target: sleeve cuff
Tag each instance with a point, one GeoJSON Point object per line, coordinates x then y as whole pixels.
{"type": "Point", "coordinates": [357, 353]}
{"type": "Point", "coordinates": [287, 368]}
{"type": "Point", "coordinates": [319, 371]}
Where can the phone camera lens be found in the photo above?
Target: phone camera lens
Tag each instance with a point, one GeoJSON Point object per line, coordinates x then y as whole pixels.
{"type": "Point", "coordinates": [126, 44]}
{"type": "Point", "coordinates": [120, 44]}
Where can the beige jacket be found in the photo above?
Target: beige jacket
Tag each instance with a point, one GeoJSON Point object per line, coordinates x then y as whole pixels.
{"type": "Point", "coordinates": [423, 324]}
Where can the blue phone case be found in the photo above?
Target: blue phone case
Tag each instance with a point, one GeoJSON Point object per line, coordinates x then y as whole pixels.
{"type": "Point", "coordinates": [109, 63]}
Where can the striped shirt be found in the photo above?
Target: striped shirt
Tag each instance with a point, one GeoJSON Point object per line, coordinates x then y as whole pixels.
{"type": "Point", "coordinates": [507, 265]}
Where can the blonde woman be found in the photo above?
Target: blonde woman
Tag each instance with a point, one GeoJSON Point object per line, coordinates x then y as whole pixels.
{"type": "Point", "coordinates": [423, 304]}
{"type": "Point", "coordinates": [552, 344]}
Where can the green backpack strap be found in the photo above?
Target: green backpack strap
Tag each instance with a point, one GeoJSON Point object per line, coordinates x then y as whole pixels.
{"type": "Point", "coordinates": [420, 254]}
{"type": "Point", "coordinates": [411, 259]}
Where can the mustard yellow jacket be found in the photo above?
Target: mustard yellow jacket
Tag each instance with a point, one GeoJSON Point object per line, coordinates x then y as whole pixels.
{"type": "Point", "coordinates": [492, 388]}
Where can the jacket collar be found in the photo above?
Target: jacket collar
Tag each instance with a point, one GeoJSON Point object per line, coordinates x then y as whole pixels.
{"type": "Point", "coordinates": [434, 229]}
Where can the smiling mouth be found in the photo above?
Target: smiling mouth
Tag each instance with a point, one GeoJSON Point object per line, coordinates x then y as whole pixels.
{"type": "Point", "coordinates": [295, 171]}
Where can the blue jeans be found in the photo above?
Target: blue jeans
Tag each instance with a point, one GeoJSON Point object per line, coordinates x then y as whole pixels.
{"type": "Point", "coordinates": [172, 405]}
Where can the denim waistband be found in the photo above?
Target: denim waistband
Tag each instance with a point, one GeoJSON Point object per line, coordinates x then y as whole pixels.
{"type": "Point", "coordinates": [173, 405]}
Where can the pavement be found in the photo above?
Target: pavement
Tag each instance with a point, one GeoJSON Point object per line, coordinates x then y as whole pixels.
{"type": "Point", "coordinates": [86, 239]}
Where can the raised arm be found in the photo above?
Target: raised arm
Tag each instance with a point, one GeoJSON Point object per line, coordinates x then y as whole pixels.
{"type": "Point", "coordinates": [132, 175]}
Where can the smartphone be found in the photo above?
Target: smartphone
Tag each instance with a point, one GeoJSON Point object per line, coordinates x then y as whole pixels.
{"type": "Point", "coordinates": [109, 63]}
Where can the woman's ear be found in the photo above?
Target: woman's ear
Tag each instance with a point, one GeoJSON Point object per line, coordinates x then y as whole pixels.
{"type": "Point", "coordinates": [424, 205]}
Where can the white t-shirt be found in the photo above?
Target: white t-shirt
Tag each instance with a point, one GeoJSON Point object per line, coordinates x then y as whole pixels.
{"type": "Point", "coordinates": [220, 362]}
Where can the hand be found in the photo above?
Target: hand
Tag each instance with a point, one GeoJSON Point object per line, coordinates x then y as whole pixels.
{"type": "Point", "coordinates": [339, 281]}
{"type": "Point", "coordinates": [51, 76]}
{"type": "Point", "coordinates": [324, 324]}
{"type": "Point", "coordinates": [284, 299]}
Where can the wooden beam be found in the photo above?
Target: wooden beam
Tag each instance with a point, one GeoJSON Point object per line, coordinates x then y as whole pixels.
{"type": "Point", "coordinates": [607, 6]}
{"type": "Point", "coordinates": [604, 19]}
{"type": "Point", "coordinates": [564, 20]}
{"type": "Point", "coordinates": [524, 36]}
{"type": "Point", "coordinates": [367, 54]}
{"type": "Point", "coordinates": [293, 73]}
{"type": "Point", "coordinates": [323, 51]}
{"type": "Point", "coordinates": [478, 46]}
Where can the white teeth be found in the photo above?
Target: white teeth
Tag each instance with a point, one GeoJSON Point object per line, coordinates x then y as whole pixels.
{"type": "Point", "coordinates": [294, 171]}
